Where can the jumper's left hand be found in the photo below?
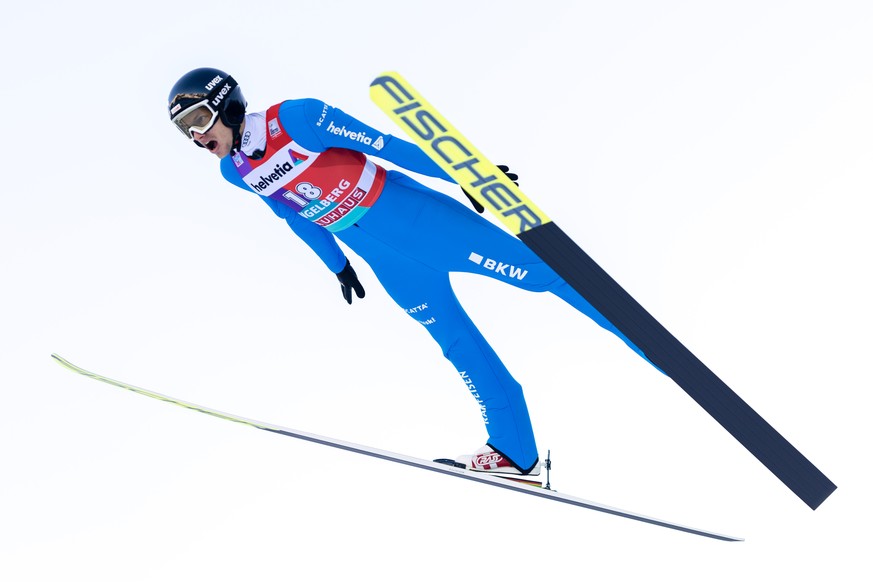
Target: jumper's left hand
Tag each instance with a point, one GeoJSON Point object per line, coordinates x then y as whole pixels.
{"type": "Point", "coordinates": [479, 208]}
{"type": "Point", "coordinates": [349, 280]}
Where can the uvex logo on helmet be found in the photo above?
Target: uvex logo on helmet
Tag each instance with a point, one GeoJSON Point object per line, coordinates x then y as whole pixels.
{"type": "Point", "coordinates": [213, 88]}
{"type": "Point", "coordinates": [221, 95]}
{"type": "Point", "coordinates": [211, 84]}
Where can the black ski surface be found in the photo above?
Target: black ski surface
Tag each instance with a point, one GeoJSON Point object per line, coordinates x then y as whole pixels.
{"type": "Point", "coordinates": [677, 361]}
{"type": "Point", "coordinates": [492, 189]}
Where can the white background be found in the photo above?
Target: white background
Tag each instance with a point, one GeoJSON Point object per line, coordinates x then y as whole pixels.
{"type": "Point", "coordinates": [715, 160]}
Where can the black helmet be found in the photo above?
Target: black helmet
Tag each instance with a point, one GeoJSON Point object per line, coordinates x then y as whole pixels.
{"type": "Point", "coordinates": [214, 90]}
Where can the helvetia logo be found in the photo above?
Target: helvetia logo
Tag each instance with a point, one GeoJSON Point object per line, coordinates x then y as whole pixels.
{"type": "Point", "coordinates": [358, 136]}
{"type": "Point", "coordinates": [262, 181]}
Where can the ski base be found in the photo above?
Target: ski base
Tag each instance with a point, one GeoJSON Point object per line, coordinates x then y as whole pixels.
{"type": "Point", "coordinates": [507, 476]}
{"type": "Point", "coordinates": [493, 190]}
{"type": "Point", "coordinates": [436, 467]}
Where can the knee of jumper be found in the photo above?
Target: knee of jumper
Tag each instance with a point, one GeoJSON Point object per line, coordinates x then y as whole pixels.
{"type": "Point", "coordinates": [463, 348]}
{"type": "Point", "coordinates": [451, 341]}
{"type": "Point", "coordinates": [455, 335]}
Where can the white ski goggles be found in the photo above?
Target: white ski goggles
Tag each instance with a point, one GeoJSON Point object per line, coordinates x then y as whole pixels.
{"type": "Point", "coordinates": [199, 117]}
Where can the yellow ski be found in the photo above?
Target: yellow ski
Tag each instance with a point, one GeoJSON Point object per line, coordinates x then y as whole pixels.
{"type": "Point", "coordinates": [455, 155]}
{"type": "Point", "coordinates": [491, 188]}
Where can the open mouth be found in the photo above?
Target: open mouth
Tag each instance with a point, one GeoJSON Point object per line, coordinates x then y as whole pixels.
{"type": "Point", "coordinates": [211, 145]}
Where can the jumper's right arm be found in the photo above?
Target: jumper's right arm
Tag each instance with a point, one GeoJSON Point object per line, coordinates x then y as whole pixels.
{"type": "Point", "coordinates": [319, 239]}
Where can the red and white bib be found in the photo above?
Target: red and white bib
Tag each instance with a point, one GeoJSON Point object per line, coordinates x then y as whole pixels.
{"type": "Point", "coordinates": [333, 188]}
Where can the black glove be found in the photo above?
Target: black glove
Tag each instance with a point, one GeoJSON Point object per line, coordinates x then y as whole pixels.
{"type": "Point", "coordinates": [349, 280]}
{"type": "Point", "coordinates": [505, 169]}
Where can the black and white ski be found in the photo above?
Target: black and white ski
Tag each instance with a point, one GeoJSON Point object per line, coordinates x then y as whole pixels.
{"type": "Point", "coordinates": [433, 466]}
{"type": "Point", "coordinates": [493, 190]}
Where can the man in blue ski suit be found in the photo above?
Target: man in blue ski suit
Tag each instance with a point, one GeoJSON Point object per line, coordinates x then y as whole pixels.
{"type": "Point", "coordinates": [309, 163]}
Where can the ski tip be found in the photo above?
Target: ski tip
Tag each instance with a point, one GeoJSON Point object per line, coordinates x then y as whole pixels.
{"type": "Point", "coordinates": [387, 76]}
{"type": "Point", "coordinates": [65, 363]}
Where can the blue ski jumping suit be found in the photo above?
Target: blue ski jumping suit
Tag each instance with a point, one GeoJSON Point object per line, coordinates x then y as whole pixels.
{"type": "Point", "coordinates": [309, 162]}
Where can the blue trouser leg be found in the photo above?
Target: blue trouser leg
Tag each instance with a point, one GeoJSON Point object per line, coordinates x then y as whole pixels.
{"type": "Point", "coordinates": [413, 238]}
{"type": "Point", "coordinates": [427, 296]}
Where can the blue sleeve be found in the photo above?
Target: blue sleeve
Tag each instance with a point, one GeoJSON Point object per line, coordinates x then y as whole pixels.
{"type": "Point", "coordinates": [317, 126]}
{"type": "Point", "coordinates": [320, 240]}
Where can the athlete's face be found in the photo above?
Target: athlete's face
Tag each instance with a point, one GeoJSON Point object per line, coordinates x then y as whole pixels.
{"type": "Point", "coordinates": [218, 139]}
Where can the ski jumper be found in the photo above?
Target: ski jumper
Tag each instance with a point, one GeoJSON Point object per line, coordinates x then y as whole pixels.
{"type": "Point", "coordinates": [309, 162]}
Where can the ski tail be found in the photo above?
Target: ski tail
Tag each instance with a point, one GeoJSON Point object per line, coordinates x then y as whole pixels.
{"type": "Point", "coordinates": [674, 359]}
{"type": "Point", "coordinates": [483, 181]}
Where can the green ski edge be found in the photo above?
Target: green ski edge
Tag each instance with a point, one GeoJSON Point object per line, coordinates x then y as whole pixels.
{"type": "Point", "coordinates": [399, 458]}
